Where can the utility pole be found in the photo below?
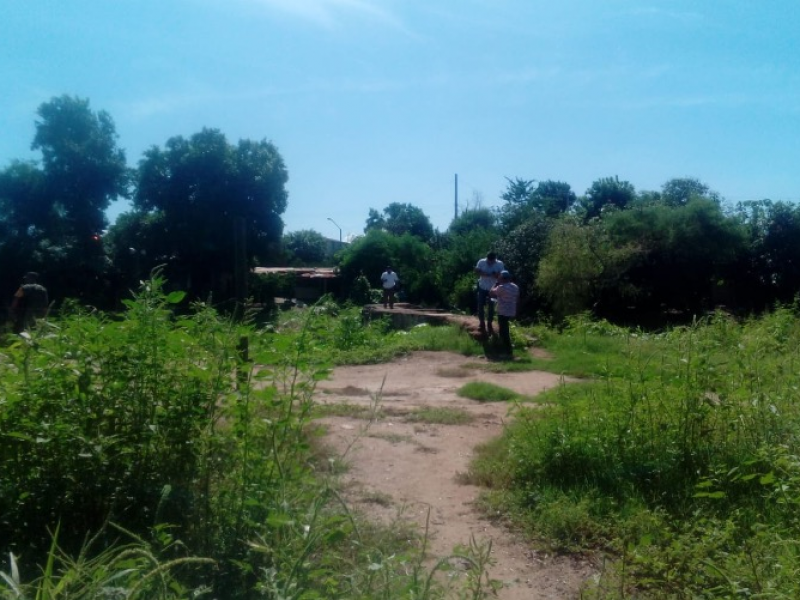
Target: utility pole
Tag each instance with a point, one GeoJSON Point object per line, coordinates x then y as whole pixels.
{"type": "Point", "coordinates": [456, 216]}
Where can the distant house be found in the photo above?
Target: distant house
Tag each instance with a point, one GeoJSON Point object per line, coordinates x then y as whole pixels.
{"type": "Point", "coordinates": [311, 283]}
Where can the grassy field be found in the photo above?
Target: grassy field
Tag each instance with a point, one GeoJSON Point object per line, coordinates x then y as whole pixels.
{"type": "Point", "coordinates": [146, 456]}
{"type": "Point", "coordinates": [677, 459]}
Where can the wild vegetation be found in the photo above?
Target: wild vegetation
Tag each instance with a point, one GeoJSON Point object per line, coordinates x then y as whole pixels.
{"type": "Point", "coordinates": [163, 450]}
{"type": "Point", "coordinates": [207, 210]}
{"type": "Point", "coordinates": [146, 455]}
{"type": "Point", "coordinates": [676, 458]}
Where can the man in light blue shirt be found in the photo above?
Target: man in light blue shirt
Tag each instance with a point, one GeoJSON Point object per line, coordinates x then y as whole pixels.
{"type": "Point", "coordinates": [389, 280]}
{"type": "Point", "coordinates": [488, 270]}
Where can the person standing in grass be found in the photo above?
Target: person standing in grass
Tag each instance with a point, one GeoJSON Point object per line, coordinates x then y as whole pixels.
{"type": "Point", "coordinates": [507, 294]}
{"type": "Point", "coordinates": [30, 303]}
{"type": "Point", "coordinates": [487, 270]}
{"type": "Point", "coordinates": [389, 281]}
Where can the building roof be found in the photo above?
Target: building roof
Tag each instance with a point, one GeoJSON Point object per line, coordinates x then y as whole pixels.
{"type": "Point", "coordinates": [305, 272]}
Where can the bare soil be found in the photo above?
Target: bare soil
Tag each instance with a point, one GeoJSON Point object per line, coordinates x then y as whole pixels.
{"type": "Point", "coordinates": [397, 467]}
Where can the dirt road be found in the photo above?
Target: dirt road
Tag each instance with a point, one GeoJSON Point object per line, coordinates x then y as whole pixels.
{"type": "Point", "coordinates": [413, 467]}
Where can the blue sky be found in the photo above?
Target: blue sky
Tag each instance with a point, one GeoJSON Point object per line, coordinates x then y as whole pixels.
{"type": "Point", "coordinates": [379, 101]}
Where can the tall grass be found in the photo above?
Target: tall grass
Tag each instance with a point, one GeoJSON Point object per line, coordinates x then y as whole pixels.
{"type": "Point", "coordinates": [158, 428]}
{"type": "Point", "coordinates": [340, 335]}
{"type": "Point", "coordinates": [680, 455]}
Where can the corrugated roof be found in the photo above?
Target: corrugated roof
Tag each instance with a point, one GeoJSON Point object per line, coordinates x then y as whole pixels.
{"type": "Point", "coordinates": [304, 272]}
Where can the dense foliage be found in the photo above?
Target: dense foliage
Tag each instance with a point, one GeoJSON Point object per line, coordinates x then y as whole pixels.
{"type": "Point", "coordinates": [208, 210]}
{"type": "Point", "coordinates": [305, 248]}
{"type": "Point", "coordinates": [678, 458]}
{"type": "Point", "coordinates": [144, 454]}
{"type": "Point", "coordinates": [52, 216]}
{"type": "Point", "coordinates": [204, 208]}
{"type": "Point", "coordinates": [156, 456]}
{"type": "Point", "coordinates": [204, 192]}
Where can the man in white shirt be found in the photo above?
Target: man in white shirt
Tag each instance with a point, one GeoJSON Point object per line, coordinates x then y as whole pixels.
{"type": "Point", "coordinates": [389, 280]}
{"type": "Point", "coordinates": [488, 269]}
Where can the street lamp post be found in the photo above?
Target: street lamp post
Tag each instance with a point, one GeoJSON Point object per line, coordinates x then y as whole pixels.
{"type": "Point", "coordinates": [337, 227]}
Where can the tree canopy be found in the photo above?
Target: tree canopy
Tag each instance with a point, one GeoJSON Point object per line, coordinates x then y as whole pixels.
{"type": "Point", "coordinates": [84, 169]}
{"type": "Point", "coordinates": [305, 247]}
{"type": "Point", "coordinates": [200, 186]}
{"type": "Point", "coordinates": [473, 219]}
{"type": "Point", "coordinates": [399, 218]}
{"type": "Point", "coordinates": [607, 192]}
{"type": "Point", "coordinates": [53, 215]}
{"type": "Point", "coordinates": [680, 190]}
{"type": "Point", "coordinates": [206, 209]}
{"type": "Point", "coordinates": [526, 199]}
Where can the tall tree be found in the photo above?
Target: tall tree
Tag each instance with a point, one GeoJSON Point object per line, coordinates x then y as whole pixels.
{"type": "Point", "coordinates": [53, 215]}
{"type": "Point", "coordinates": [686, 255]}
{"type": "Point", "coordinates": [526, 199]}
{"type": "Point", "coordinates": [410, 258]}
{"type": "Point", "coordinates": [518, 205]}
{"type": "Point", "coordinates": [521, 251]}
{"type": "Point", "coordinates": [580, 265]}
{"type": "Point", "coordinates": [200, 187]}
{"type": "Point", "coordinates": [24, 216]}
{"type": "Point", "coordinates": [553, 198]}
{"type": "Point", "coordinates": [305, 247]}
{"type": "Point", "coordinates": [518, 191]}
{"type": "Point", "coordinates": [84, 168]}
{"type": "Point", "coordinates": [401, 218]}
{"type": "Point", "coordinates": [679, 190]}
{"type": "Point", "coordinates": [607, 192]}
{"type": "Point", "coordinates": [472, 219]}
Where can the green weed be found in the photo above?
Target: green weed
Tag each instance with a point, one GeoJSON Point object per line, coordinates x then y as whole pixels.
{"type": "Point", "coordinates": [183, 426]}
{"type": "Point", "coordinates": [439, 415]}
{"type": "Point", "coordinates": [679, 457]}
{"type": "Point", "coordinates": [483, 391]}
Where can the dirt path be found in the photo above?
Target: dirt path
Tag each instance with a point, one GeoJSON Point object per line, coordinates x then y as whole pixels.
{"type": "Point", "coordinates": [413, 467]}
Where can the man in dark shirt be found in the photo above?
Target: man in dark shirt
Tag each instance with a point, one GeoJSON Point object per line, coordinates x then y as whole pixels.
{"type": "Point", "coordinates": [29, 304]}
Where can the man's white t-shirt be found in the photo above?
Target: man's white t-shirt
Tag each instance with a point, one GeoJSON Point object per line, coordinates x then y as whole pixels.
{"type": "Point", "coordinates": [486, 282]}
{"type": "Point", "coordinates": [389, 279]}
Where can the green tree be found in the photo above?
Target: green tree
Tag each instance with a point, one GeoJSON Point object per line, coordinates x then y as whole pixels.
{"type": "Point", "coordinates": [773, 231]}
{"type": "Point", "coordinates": [305, 247]}
{"type": "Point", "coordinates": [399, 219]}
{"type": "Point", "coordinates": [518, 191]}
{"type": "Point", "coordinates": [24, 218]}
{"type": "Point", "coordinates": [678, 191]}
{"type": "Point", "coordinates": [132, 244]}
{"type": "Point", "coordinates": [200, 187]}
{"type": "Point", "coordinates": [409, 256]}
{"type": "Point", "coordinates": [473, 219]}
{"type": "Point", "coordinates": [581, 265]}
{"type": "Point", "coordinates": [521, 251]}
{"type": "Point", "coordinates": [54, 215]}
{"type": "Point", "coordinates": [687, 255]}
{"type": "Point", "coordinates": [26, 209]}
{"type": "Point", "coordinates": [375, 220]}
{"type": "Point", "coordinates": [526, 199]}
{"type": "Point", "coordinates": [455, 264]}
{"type": "Point", "coordinates": [605, 193]}
{"type": "Point", "coordinates": [84, 168]}
{"type": "Point", "coordinates": [518, 198]}
{"type": "Point", "coordinates": [553, 198]}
